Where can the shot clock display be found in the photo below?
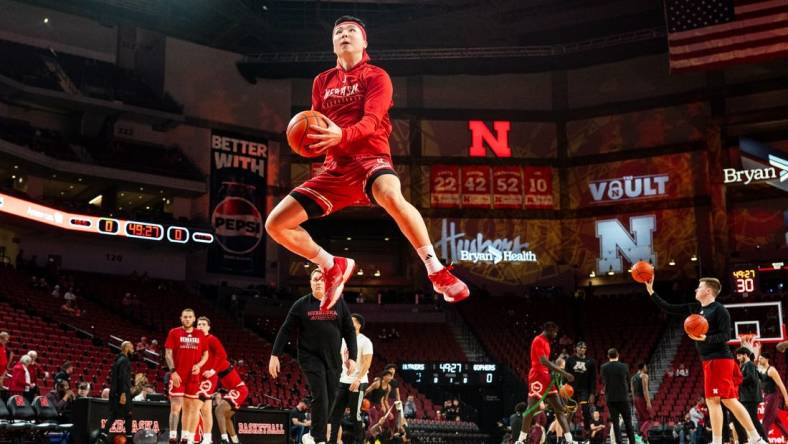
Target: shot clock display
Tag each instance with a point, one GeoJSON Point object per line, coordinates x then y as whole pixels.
{"type": "Point", "coordinates": [450, 373]}
{"type": "Point", "coordinates": [744, 279]}
{"type": "Point", "coordinates": [100, 225]}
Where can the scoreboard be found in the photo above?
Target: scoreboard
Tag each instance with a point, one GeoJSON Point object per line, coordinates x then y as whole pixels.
{"type": "Point", "coordinates": [450, 373]}
{"type": "Point", "coordinates": [744, 279]}
{"type": "Point", "coordinates": [101, 225]}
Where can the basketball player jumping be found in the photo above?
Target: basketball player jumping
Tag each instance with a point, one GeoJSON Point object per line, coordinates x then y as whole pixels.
{"type": "Point", "coordinates": [721, 376]}
{"type": "Point", "coordinates": [355, 97]}
{"type": "Point", "coordinates": [539, 382]}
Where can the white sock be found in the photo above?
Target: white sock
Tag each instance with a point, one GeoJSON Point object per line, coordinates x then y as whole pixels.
{"type": "Point", "coordinates": [523, 436]}
{"type": "Point", "coordinates": [234, 439]}
{"type": "Point", "coordinates": [753, 436]}
{"type": "Point", "coordinates": [568, 437]}
{"type": "Point", "coordinates": [716, 439]}
{"type": "Point", "coordinates": [173, 434]}
{"type": "Point", "coordinates": [427, 254]}
{"type": "Point", "coordinates": [224, 437]}
{"type": "Point", "coordinates": [188, 436]}
{"type": "Point", "coordinates": [323, 260]}
{"type": "Point", "coordinates": [206, 438]}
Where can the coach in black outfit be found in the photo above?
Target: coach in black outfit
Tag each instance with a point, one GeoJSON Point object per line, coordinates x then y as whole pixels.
{"type": "Point", "coordinates": [615, 377]}
{"type": "Point", "coordinates": [319, 342]}
{"type": "Point", "coordinates": [120, 393]}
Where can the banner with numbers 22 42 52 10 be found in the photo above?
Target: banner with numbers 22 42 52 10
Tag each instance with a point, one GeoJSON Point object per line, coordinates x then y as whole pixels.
{"type": "Point", "coordinates": [239, 170]}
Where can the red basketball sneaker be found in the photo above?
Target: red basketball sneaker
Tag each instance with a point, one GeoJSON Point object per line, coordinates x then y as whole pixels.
{"type": "Point", "coordinates": [447, 284]}
{"type": "Point", "coordinates": [335, 278]}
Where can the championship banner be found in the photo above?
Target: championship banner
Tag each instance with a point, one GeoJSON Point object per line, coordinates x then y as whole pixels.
{"type": "Point", "coordinates": [237, 204]}
{"type": "Point", "coordinates": [538, 187]}
{"type": "Point", "coordinates": [445, 186]}
{"type": "Point", "coordinates": [507, 185]}
{"type": "Point", "coordinates": [476, 187]}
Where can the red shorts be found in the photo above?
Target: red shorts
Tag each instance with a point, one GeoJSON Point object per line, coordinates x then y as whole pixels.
{"type": "Point", "coordinates": [179, 391]}
{"type": "Point", "coordinates": [538, 383]}
{"type": "Point", "coordinates": [236, 396]}
{"type": "Point", "coordinates": [202, 388]}
{"type": "Point", "coordinates": [341, 185]}
{"type": "Point", "coordinates": [721, 378]}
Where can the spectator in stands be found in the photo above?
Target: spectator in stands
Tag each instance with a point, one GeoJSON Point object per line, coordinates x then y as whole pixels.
{"type": "Point", "coordinates": [4, 337]}
{"type": "Point", "coordinates": [105, 393]}
{"type": "Point", "coordinates": [42, 283]}
{"type": "Point", "coordinates": [83, 390]}
{"type": "Point", "coordinates": [300, 423]}
{"type": "Point", "coordinates": [61, 398]}
{"type": "Point", "coordinates": [684, 430]}
{"type": "Point", "coordinates": [20, 378]}
{"type": "Point", "coordinates": [146, 391]}
{"type": "Point", "coordinates": [597, 428]}
{"type": "Point", "coordinates": [140, 382]}
{"type": "Point", "coordinates": [682, 371]}
{"type": "Point", "coordinates": [142, 344]}
{"type": "Point", "coordinates": [70, 296]}
{"type": "Point", "coordinates": [36, 374]}
{"type": "Point", "coordinates": [516, 419]}
{"type": "Point", "coordinates": [153, 346]}
{"type": "Point", "coordinates": [56, 291]}
{"type": "Point", "coordinates": [410, 408]}
{"type": "Point", "coordinates": [64, 374]}
{"type": "Point", "coordinates": [70, 308]}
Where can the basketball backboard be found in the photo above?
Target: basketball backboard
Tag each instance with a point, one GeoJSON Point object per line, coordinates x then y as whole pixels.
{"type": "Point", "coordinates": [762, 319]}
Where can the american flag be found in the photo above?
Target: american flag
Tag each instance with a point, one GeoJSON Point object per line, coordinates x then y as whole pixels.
{"type": "Point", "coordinates": [705, 34]}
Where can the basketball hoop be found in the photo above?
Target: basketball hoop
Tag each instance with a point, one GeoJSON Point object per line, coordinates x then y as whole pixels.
{"type": "Point", "coordinates": [748, 338]}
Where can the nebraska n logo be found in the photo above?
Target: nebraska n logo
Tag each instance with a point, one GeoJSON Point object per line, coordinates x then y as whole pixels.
{"type": "Point", "coordinates": [499, 143]}
{"type": "Point", "coordinates": [636, 244]}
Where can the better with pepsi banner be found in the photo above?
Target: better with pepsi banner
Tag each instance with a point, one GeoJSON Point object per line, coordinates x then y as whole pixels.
{"type": "Point", "coordinates": [239, 170]}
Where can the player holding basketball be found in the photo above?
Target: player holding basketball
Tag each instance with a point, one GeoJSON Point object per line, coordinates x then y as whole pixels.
{"type": "Point", "coordinates": [721, 376]}
{"type": "Point", "coordinates": [209, 382]}
{"type": "Point", "coordinates": [539, 383]}
{"type": "Point", "coordinates": [185, 354]}
{"type": "Point", "coordinates": [355, 96]}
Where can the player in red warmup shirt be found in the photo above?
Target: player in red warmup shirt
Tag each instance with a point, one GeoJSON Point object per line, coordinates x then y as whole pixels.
{"type": "Point", "coordinates": [209, 382]}
{"type": "Point", "coordinates": [539, 382]}
{"type": "Point", "coordinates": [355, 96]}
{"type": "Point", "coordinates": [185, 352]}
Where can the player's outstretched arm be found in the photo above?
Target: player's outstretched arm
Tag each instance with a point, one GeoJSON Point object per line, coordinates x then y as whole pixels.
{"type": "Point", "coordinates": [676, 309]}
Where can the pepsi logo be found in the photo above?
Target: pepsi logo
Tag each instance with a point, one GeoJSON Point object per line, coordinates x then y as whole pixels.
{"type": "Point", "coordinates": [238, 225]}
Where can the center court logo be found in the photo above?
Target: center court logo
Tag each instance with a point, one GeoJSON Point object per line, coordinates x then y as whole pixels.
{"type": "Point", "coordinates": [454, 247]}
{"type": "Point", "coordinates": [238, 225]}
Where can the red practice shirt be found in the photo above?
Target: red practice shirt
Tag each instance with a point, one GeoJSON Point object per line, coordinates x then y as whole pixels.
{"type": "Point", "coordinates": [539, 347]}
{"type": "Point", "coordinates": [217, 356]}
{"type": "Point", "coordinates": [187, 349]}
{"type": "Point", "coordinates": [358, 100]}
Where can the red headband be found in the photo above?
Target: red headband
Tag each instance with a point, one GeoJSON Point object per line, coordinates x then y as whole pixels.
{"type": "Point", "coordinates": [360, 26]}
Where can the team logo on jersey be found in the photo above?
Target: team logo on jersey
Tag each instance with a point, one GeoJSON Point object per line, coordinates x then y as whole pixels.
{"type": "Point", "coordinates": [238, 225]}
{"type": "Point", "coordinates": [344, 91]}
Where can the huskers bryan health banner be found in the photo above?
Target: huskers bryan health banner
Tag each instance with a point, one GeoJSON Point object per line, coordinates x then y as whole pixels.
{"type": "Point", "coordinates": [238, 190]}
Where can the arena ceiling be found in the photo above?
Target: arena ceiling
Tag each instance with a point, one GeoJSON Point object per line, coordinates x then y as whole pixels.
{"type": "Point", "coordinates": [515, 35]}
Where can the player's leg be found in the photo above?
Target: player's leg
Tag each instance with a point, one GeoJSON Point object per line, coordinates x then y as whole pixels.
{"type": "Point", "coordinates": [772, 404]}
{"type": "Point", "coordinates": [231, 427]}
{"type": "Point", "coordinates": [715, 417]}
{"type": "Point", "coordinates": [528, 418]}
{"type": "Point", "coordinates": [206, 414]}
{"type": "Point", "coordinates": [341, 400]}
{"type": "Point", "coordinates": [191, 417]}
{"type": "Point", "coordinates": [176, 407]}
{"type": "Point", "coordinates": [221, 409]}
{"type": "Point", "coordinates": [560, 415]}
{"type": "Point", "coordinates": [284, 226]}
{"type": "Point", "coordinates": [387, 191]}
